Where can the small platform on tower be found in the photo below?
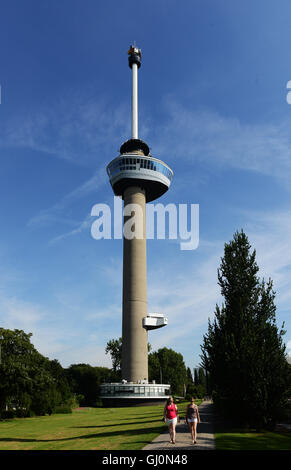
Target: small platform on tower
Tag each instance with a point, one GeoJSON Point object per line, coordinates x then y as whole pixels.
{"type": "Point", "coordinates": [154, 320]}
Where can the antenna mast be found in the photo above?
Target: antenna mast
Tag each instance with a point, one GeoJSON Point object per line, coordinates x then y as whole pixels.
{"type": "Point", "coordinates": [134, 61]}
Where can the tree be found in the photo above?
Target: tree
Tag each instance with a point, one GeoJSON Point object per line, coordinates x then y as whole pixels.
{"type": "Point", "coordinates": [196, 377]}
{"type": "Point", "coordinates": [168, 365]}
{"type": "Point", "coordinates": [189, 384]}
{"type": "Point", "coordinates": [16, 362]}
{"type": "Point", "coordinates": [199, 389]}
{"type": "Point", "coordinates": [60, 380]}
{"type": "Point", "coordinates": [202, 378]}
{"type": "Point", "coordinates": [189, 377]}
{"type": "Point", "coordinates": [155, 370]}
{"type": "Point", "coordinates": [85, 380]}
{"type": "Point", "coordinates": [29, 381]}
{"type": "Point", "coordinates": [243, 350]}
{"type": "Point", "coordinates": [114, 348]}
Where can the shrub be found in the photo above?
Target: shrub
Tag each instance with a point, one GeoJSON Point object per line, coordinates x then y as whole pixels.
{"type": "Point", "coordinates": [8, 414]}
{"type": "Point", "coordinates": [80, 399]}
{"type": "Point", "coordinates": [62, 409]}
{"type": "Point", "coordinates": [21, 412]}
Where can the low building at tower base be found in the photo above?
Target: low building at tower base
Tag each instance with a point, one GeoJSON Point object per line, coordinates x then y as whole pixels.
{"type": "Point", "coordinates": [133, 394]}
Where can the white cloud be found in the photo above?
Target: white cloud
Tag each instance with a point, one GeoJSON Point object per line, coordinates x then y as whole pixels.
{"type": "Point", "coordinates": [270, 234]}
{"type": "Point", "coordinates": [88, 354]}
{"type": "Point", "coordinates": [186, 295]}
{"type": "Point", "coordinates": [57, 212]}
{"type": "Point", "coordinates": [81, 128]}
{"type": "Point", "coordinates": [50, 337]}
{"type": "Point", "coordinates": [76, 128]}
{"type": "Point", "coordinates": [205, 135]}
{"type": "Point", "coordinates": [80, 227]}
{"type": "Point", "coordinates": [18, 314]}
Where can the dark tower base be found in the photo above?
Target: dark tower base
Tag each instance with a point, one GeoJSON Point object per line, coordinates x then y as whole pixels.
{"type": "Point", "coordinates": [120, 403]}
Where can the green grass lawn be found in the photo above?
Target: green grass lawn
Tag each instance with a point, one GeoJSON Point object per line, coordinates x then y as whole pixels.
{"type": "Point", "coordinates": [252, 440]}
{"type": "Point", "coordinates": [86, 429]}
{"type": "Point", "coordinates": [117, 429]}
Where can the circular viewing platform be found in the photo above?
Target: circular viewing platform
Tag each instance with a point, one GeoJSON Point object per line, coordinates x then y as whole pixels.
{"type": "Point", "coordinates": [133, 394]}
{"type": "Point", "coordinates": [145, 171]}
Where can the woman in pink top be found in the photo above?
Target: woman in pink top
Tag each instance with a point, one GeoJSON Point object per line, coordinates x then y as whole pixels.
{"type": "Point", "coordinates": [170, 417]}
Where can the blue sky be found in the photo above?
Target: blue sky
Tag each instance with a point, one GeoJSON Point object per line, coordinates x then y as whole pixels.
{"type": "Point", "coordinates": [212, 104]}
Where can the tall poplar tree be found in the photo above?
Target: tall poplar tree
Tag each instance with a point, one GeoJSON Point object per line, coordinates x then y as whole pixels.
{"type": "Point", "coordinates": [243, 349]}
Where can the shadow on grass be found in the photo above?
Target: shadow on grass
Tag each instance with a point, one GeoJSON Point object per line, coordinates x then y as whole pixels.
{"type": "Point", "coordinates": [155, 415]}
{"type": "Point", "coordinates": [115, 424]}
{"type": "Point", "coordinates": [128, 432]}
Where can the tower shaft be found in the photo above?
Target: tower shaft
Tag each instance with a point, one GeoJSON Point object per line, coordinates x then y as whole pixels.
{"type": "Point", "coordinates": [138, 178]}
{"type": "Point", "coordinates": [134, 336]}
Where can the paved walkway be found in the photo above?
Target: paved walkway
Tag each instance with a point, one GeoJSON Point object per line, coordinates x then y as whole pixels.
{"type": "Point", "coordinates": [205, 434]}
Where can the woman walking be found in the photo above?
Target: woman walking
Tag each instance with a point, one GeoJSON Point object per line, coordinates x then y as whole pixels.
{"type": "Point", "coordinates": [170, 417]}
{"type": "Point", "coordinates": [192, 418]}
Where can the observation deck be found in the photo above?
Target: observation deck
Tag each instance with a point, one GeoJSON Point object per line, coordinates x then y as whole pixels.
{"type": "Point", "coordinates": [136, 167]}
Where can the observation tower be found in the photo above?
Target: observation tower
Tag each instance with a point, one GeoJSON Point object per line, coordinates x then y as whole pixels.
{"type": "Point", "coordinates": [137, 177]}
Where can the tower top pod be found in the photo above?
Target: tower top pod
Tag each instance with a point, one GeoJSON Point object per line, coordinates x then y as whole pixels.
{"type": "Point", "coordinates": [135, 166]}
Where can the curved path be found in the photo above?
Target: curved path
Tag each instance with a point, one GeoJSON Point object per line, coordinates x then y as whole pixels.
{"type": "Point", "coordinates": [205, 433]}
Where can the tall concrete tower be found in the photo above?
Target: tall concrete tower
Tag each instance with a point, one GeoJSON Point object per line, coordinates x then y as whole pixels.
{"type": "Point", "coordinates": [138, 178]}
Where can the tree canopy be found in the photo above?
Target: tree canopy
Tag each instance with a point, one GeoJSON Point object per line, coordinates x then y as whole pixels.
{"type": "Point", "coordinates": [114, 347]}
{"type": "Point", "coordinates": [84, 381]}
{"type": "Point", "coordinates": [167, 366]}
{"type": "Point", "coordinates": [30, 382]}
